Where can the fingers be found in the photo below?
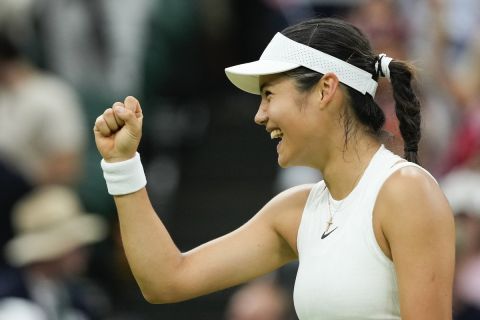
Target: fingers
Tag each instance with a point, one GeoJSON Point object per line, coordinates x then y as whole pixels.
{"type": "Point", "coordinates": [109, 123]}
{"type": "Point", "coordinates": [102, 127]}
{"type": "Point", "coordinates": [128, 117]}
{"type": "Point", "coordinates": [120, 122]}
{"type": "Point", "coordinates": [110, 120]}
{"type": "Point", "coordinates": [113, 119]}
{"type": "Point", "coordinates": [132, 104]}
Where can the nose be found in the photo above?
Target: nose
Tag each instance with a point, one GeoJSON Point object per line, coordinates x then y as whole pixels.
{"type": "Point", "coordinates": [261, 117]}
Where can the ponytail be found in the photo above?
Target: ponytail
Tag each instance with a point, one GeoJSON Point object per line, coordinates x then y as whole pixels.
{"type": "Point", "coordinates": [407, 107]}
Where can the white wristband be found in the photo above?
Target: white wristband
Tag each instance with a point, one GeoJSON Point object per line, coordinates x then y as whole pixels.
{"type": "Point", "coordinates": [124, 177]}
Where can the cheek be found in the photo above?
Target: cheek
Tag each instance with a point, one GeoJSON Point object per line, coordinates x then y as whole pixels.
{"type": "Point", "coordinates": [281, 111]}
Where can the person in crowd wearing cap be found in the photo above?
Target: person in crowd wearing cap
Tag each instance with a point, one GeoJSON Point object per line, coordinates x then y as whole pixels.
{"type": "Point", "coordinates": [49, 255]}
{"type": "Point", "coordinates": [375, 238]}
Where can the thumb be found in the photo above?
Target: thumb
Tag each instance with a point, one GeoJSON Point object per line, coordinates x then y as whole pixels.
{"type": "Point", "coordinates": [132, 123]}
{"type": "Point", "coordinates": [131, 103]}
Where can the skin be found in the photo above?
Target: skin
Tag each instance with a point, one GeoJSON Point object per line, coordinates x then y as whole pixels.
{"type": "Point", "coordinates": [412, 221]}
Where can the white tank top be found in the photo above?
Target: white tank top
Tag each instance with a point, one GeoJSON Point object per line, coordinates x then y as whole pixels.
{"type": "Point", "coordinates": [346, 275]}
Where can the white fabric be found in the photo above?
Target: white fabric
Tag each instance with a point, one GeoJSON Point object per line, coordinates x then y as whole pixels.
{"type": "Point", "coordinates": [124, 177]}
{"type": "Point", "coordinates": [384, 61]}
{"type": "Point", "coordinates": [53, 297]}
{"type": "Point", "coordinates": [20, 309]}
{"type": "Point", "coordinates": [346, 275]}
{"type": "Point", "coordinates": [283, 54]}
{"type": "Point", "coordinates": [40, 118]}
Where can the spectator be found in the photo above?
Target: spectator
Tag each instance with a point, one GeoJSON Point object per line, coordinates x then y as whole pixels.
{"type": "Point", "coordinates": [262, 299]}
{"type": "Point", "coordinates": [50, 255]}
{"type": "Point", "coordinates": [43, 115]}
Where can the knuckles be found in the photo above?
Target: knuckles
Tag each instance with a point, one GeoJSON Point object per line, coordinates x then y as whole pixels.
{"type": "Point", "coordinates": [99, 121]}
{"type": "Point", "coordinates": [110, 121]}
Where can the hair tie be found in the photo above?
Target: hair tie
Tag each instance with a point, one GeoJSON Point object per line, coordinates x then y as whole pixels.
{"type": "Point", "coordinates": [382, 65]}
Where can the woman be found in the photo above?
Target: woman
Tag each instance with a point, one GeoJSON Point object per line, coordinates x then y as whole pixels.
{"type": "Point", "coordinates": [375, 238]}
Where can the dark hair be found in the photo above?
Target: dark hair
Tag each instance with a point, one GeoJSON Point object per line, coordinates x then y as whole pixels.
{"type": "Point", "coordinates": [346, 42]}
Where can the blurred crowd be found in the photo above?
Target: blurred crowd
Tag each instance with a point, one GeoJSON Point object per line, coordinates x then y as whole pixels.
{"type": "Point", "coordinates": [62, 62]}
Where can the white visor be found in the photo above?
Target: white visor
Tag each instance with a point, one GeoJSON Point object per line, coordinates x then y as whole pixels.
{"type": "Point", "coordinates": [283, 54]}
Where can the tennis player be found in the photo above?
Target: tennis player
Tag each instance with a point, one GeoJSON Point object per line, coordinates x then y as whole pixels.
{"type": "Point", "coordinates": [375, 238]}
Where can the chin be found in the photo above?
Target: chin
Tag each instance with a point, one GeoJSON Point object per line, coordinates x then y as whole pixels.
{"type": "Point", "coordinates": [283, 166]}
{"type": "Point", "coordinates": [283, 163]}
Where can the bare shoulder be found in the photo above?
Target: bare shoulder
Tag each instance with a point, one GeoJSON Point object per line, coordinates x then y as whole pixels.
{"type": "Point", "coordinates": [411, 203]}
{"type": "Point", "coordinates": [292, 197]}
{"type": "Point", "coordinates": [284, 212]}
{"type": "Point", "coordinates": [411, 187]}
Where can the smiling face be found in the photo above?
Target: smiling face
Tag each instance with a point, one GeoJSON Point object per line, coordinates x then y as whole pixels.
{"type": "Point", "coordinates": [297, 118]}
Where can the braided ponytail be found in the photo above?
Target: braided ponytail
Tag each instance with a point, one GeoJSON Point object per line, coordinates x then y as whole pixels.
{"type": "Point", "coordinates": [407, 107]}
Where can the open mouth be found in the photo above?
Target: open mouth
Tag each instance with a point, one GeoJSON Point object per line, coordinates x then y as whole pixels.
{"type": "Point", "coordinates": [276, 134]}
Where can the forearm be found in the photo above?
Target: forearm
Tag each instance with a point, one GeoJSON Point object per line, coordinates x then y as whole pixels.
{"type": "Point", "coordinates": [151, 252]}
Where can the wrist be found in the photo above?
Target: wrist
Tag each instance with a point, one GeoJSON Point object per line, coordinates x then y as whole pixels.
{"type": "Point", "coordinates": [114, 159]}
{"type": "Point", "coordinates": [125, 176]}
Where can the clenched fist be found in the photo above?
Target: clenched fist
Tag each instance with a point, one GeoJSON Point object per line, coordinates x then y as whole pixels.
{"type": "Point", "coordinates": [118, 130]}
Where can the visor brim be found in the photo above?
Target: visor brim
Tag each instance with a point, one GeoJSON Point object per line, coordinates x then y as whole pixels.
{"type": "Point", "coordinates": [246, 76]}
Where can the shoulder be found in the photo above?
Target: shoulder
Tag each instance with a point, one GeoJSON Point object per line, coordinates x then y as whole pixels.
{"type": "Point", "coordinates": [284, 212]}
{"type": "Point", "coordinates": [409, 186]}
{"type": "Point", "coordinates": [293, 196]}
{"type": "Point", "coordinates": [411, 201]}
{"type": "Point", "coordinates": [288, 201]}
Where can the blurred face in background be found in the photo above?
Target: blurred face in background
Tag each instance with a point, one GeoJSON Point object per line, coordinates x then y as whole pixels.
{"type": "Point", "coordinates": [258, 301]}
{"type": "Point", "coordinates": [69, 265]}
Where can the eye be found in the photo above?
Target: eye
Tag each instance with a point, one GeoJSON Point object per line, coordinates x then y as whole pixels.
{"type": "Point", "coordinates": [267, 94]}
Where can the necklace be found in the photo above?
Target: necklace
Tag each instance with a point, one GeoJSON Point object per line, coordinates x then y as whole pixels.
{"type": "Point", "coordinates": [330, 218]}
{"type": "Point", "coordinates": [339, 206]}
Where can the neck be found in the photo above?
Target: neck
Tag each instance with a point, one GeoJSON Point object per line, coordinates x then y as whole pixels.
{"type": "Point", "coordinates": [345, 166]}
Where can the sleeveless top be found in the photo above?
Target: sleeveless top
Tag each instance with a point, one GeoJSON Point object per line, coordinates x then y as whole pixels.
{"type": "Point", "coordinates": [346, 275]}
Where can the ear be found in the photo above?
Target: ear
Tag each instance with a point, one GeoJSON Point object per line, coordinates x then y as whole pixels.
{"type": "Point", "coordinates": [327, 88]}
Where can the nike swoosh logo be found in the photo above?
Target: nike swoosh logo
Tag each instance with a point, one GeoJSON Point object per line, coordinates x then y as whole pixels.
{"type": "Point", "coordinates": [324, 235]}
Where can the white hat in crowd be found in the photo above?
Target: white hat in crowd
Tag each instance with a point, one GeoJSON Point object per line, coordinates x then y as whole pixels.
{"type": "Point", "coordinates": [462, 189]}
{"type": "Point", "coordinates": [48, 223]}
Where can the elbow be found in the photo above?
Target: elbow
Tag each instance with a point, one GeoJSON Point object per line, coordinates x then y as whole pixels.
{"type": "Point", "coordinates": [161, 296]}
{"type": "Point", "coordinates": [154, 298]}
{"type": "Point", "coordinates": [164, 289]}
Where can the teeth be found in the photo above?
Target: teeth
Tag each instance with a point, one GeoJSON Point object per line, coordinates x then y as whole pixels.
{"type": "Point", "coordinates": [277, 133]}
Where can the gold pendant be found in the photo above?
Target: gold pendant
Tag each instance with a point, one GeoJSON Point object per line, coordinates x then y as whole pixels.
{"type": "Point", "coordinates": [329, 223]}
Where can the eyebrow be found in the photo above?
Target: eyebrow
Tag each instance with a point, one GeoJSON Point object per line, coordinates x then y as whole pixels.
{"type": "Point", "coordinates": [263, 85]}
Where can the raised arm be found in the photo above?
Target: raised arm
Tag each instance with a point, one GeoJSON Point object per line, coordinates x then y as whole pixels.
{"type": "Point", "coordinates": [165, 274]}
{"type": "Point", "coordinates": [417, 223]}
